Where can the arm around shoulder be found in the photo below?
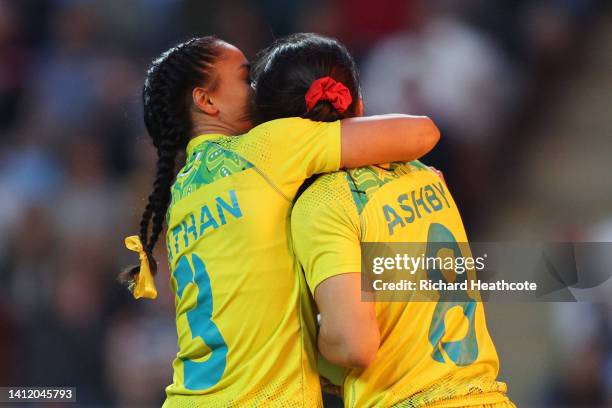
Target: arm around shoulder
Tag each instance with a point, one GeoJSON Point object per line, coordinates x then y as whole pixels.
{"type": "Point", "coordinates": [386, 138]}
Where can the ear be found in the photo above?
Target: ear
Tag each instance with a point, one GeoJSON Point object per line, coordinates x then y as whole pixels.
{"type": "Point", "coordinates": [203, 101]}
{"type": "Point", "coordinates": [359, 108]}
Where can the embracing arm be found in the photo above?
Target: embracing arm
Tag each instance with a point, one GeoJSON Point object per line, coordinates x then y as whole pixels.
{"type": "Point", "coordinates": [349, 334]}
{"type": "Point", "coordinates": [386, 138]}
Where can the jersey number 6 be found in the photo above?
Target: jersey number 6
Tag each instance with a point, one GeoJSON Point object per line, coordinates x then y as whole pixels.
{"type": "Point", "coordinates": [465, 351]}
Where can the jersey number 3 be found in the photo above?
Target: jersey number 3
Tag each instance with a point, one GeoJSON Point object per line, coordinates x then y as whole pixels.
{"type": "Point", "coordinates": [200, 375]}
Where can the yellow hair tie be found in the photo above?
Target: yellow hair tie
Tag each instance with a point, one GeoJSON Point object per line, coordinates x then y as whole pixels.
{"type": "Point", "coordinates": [144, 283]}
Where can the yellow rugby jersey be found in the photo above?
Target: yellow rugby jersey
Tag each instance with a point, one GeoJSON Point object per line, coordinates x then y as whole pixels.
{"type": "Point", "coordinates": [242, 339]}
{"type": "Point", "coordinates": [428, 353]}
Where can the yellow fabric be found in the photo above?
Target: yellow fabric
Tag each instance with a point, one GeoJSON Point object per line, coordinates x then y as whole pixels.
{"type": "Point", "coordinates": [243, 338]}
{"type": "Point", "coordinates": [144, 285]}
{"type": "Point", "coordinates": [342, 209]}
{"type": "Point", "coordinates": [487, 400]}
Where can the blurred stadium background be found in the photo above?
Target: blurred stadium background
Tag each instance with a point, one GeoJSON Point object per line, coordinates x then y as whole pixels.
{"type": "Point", "coordinates": [521, 90]}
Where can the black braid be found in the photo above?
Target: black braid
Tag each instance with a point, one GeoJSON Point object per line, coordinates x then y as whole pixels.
{"type": "Point", "coordinates": [165, 96]}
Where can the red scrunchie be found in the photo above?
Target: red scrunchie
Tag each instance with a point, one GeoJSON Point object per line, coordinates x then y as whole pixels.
{"type": "Point", "coordinates": [328, 89]}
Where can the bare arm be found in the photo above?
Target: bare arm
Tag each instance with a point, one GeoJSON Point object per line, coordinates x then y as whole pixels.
{"type": "Point", "coordinates": [386, 138]}
{"type": "Point", "coordinates": [349, 331]}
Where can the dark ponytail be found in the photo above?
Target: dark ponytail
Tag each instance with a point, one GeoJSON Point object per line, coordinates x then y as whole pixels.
{"type": "Point", "coordinates": [166, 100]}
{"type": "Point", "coordinates": [284, 72]}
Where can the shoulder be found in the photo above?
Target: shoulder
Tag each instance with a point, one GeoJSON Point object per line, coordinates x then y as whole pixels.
{"type": "Point", "coordinates": [325, 189]}
{"type": "Point", "coordinates": [279, 131]}
{"type": "Point", "coordinates": [294, 126]}
{"type": "Point", "coordinates": [329, 194]}
{"type": "Point", "coordinates": [284, 123]}
{"type": "Point", "coordinates": [417, 165]}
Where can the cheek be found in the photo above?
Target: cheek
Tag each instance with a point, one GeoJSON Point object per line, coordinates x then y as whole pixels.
{"type": "Point", "coordinates": [246, 91]}
{"type": "Point", "coordinates": [237, 100]}
{"type": "Point", "coordinates": [243, 96]}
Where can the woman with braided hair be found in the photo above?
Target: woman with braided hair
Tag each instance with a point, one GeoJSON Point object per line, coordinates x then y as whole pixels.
{"type": "Point", "coordinates": [241, 335]}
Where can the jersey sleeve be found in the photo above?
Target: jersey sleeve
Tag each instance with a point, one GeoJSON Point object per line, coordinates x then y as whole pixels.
{"type": "Point", "coordinates": [326, 231]}
{"type": "Point", "coordinates": [290, 150]}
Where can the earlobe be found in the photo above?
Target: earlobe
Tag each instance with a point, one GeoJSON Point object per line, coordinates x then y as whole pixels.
{"type": "Point", "coordinates": [203, 102]}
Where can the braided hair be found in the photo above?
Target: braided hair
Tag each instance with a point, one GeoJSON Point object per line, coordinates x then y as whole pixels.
{"type": "Point", "coordinates": [166, 100]}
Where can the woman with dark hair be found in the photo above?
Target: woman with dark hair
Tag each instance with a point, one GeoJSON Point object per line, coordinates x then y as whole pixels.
{"type": "Point", "coordinates": [397, 351]}
{"type": "Point", "coordinates": [242, 338]}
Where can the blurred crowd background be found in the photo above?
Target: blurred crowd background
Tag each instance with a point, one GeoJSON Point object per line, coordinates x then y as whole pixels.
{"type": "Point", "coordinates": [521, 90]}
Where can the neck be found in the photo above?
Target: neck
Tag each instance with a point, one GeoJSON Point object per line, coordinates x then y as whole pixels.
{"type": "Point", "coordinates": [212, 128]}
